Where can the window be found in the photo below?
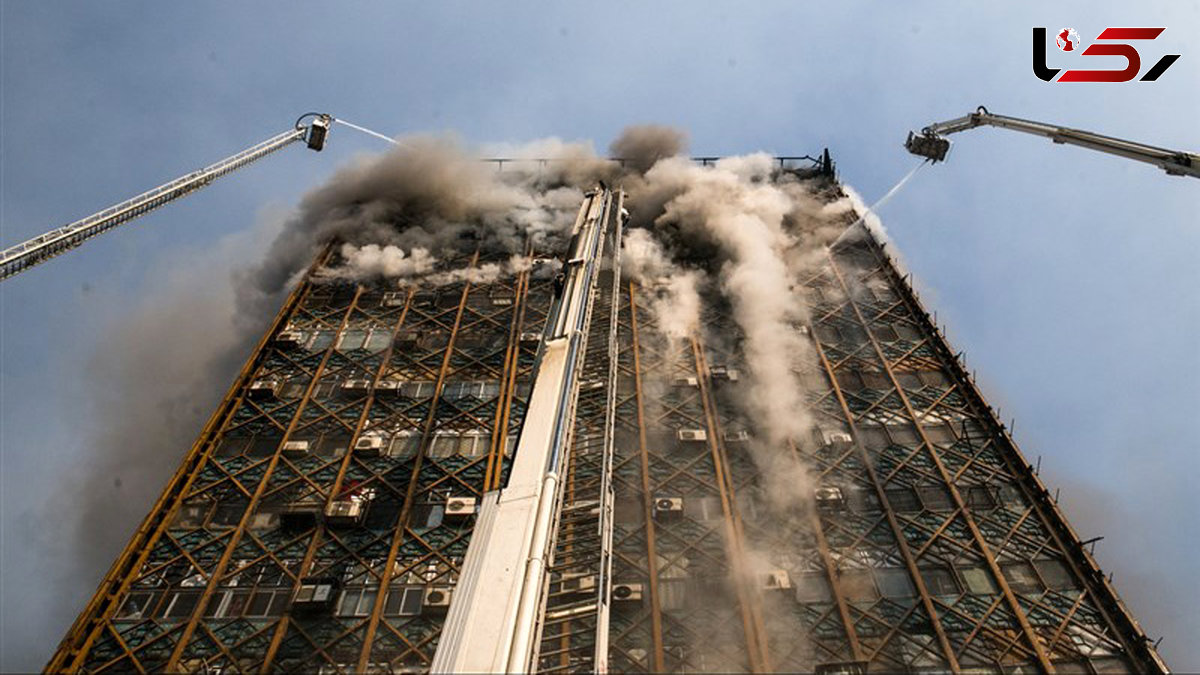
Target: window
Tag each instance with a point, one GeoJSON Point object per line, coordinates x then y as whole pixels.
{"type": "Point", "coordinates": [908, 380]}
{"type": "Point", "coordinates": [893, 582]}
{"type": "Point", "coordinates": [849, 380]}
{"type": "Point", "coordinates": [352, 338]}
{"type": "Point", "coordinates": [405, 443]}
{"type": "Point", "coordinates": [181, 603]}
{"type": "Point", "coordinates": [268, 602]}
{"type": "Point", "coordinates": [907, 331]}
{"type": "Point", "coordinates": [939, 581]}
{"type": "Point", "coordinates": [812, 587]}
{"type": "Point", "coordinates": [939, 434]}
{"type": "Point", "coordinates": [703, 508]}
{"type": "Point", "coordinates": [980, 498]}
{"type": "Point", "coordinates": [227, 603]}
{"type": "Point", "coordinates": [357, 601]}
{"type": "Point", "coordinates": [191, 516]}
{"type": "Point", "coordinates": [1055, 574]}
{"type": "Point", "coordinates": [874, 438]}
{"type": "Point", "coordinates": [403, 601]}
{"type": "Point", "coordinates": [904, 434]}
{"type": "Point", "coordinates": [857, 585]}
{"type": "Point", "coordinates": [229, 513]}
{"type": "Point", "coordinates": [378, 340]}
{"type": "Point", "coordinates": [321, 340]}
{"type": "Point", "coordinates": [138, 605]}
{"type": "Point", "coordinates": [874, 379]}
{"type": "Point", "coordinates": [903, 500]}
{"type": "Point", "coordinates": [672, 594]}
{"type": "Point", "coordinates": [933, 378]}
{"type": "Point", "coordinates": [978, 581]}
{"type": "Point", "coordinates": [232, 445]}
{"type": "Point", "coordinates": [416, 389]}
{"type": "Point", "coordinates": [936, 498]}
{"type": "Point", "coordinates": [427, 516]}
{"type": "Point", "coordinates": [885, 333]}
{"type": "Point", "coordinates": [1021, 578]}
{"type": "Point", "coordinates": [263, 446]}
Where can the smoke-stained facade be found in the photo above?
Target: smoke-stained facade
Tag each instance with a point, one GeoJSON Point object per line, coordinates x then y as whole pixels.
{"type": "Point", "coordinates": [775, 461]}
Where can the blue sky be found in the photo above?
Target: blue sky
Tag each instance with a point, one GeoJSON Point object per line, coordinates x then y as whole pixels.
{"type": "Point", "coordinates": [1068, 277]}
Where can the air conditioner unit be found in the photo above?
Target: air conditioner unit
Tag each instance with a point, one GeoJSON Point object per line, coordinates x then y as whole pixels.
{"type": "Point", "coordinates": [394, 299]}
{"type": "Point", "coordinates": [289, 338]}
{"type": "Point", "coordinates": [724, 373]}
{"type": "Point", "coordinates": [531, 337]}
{"type": "Point", "coordinates": [314, 594]}
{"type": "Point", "coordinates": [776, 580]}
{"type": "Point", "coordinates": [838, 440]}
{"type": "Point", "coordinates": [627, 593]}
{"type": "Point", "coordinates": [296, 447]}
{"type": "Point", "coordinates": [578, 583]}
{"type": "Point", "coordinates": [668, 508]}
{"type": "Point", "coordinates": [737, 436]}
{"type": "Point", "coordinates": [264, 388]}
{"type": "Point", "coordinates": [591, 385]}
{"type": "Point", "coordinates": [692, 435]}
{"type": "Point", "coordinates": [370, 445]}
{"type": "Point", "coordinates": [460, 507]}
{"type": "Point", "coordinates": [686, 381]}
{"type": "Point", "coordinates": [829, 498]}
{"type": "Point", "coordinates": [424, 299]}
{"type": "Point", "coordinates": [356, 386]}
{"type": "Point", "coordinates": [502, 300]}
{"type": "Point", "coordinates": [345, 512]}
{"type": "Point", "coordinates": [436, 599]}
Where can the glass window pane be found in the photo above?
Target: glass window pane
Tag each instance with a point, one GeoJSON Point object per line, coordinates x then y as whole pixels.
{"type": "Point", "coordinates": [978, 580]}
{"type": "Point", "coordinates": [349, 604]}
{"type": "Point", "coordinates": [936, 498]}
{"type": "Point", "coordinates": [903, 500]}
{"type": "Point", "coordinates": [893, 582]}
{"type": "Point", "coordinates": [813, 588]}
{"type": "Point", "coordinates": [411, 605]}
{"type": "Point", "coordinates": [857, 585]}
{"type": "Point", "coordinates": [1021, 578]}
{"type": "Point", "coordinates": [939, 581]}
{"type": "Point", "coordinates": [1055, 574]}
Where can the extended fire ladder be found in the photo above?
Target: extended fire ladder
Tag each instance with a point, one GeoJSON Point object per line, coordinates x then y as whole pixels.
{"type": "Point", "coordinates": [45, 246]}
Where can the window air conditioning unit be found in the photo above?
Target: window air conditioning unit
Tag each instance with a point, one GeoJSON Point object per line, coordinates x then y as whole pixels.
{"type": "Point", "coordinates": [627, 594]}
{"type": "Point", "coordinates": [295, 447]}
{"type": "Point", "coordinates": [356, 386]}
{"type": "Point", "coordinates": [393, 299]}
{"type": "Point", "coordinates": [839, 440]}
{"type": "Point", "coordinates": [436, 599]}
{"type": "Point", "coordinates": [345, 512]}
{"type": "Point", "coordinates": [686, 381]}
{"type": "Point", "coordinates": [692, 435]}
{"type": "Point", "coordinates": [460, 507]}
{"type": "Point", "coordinates": [289, 338]}
{"type": "Point", "coordinates": [578, 583]}
{"type": "Point", "coordinates": [737, 436]}
{"type": "Point", "coordinates": [668, 508]}
{"type": "Point", "coordinates": [776, 580]}
{"type": "Point", "coordinates": [504, 300]}
{"type": "Point", "coordinates": [369, 444]}
{"type": "Point", "coordinates": [829, 498]}
{"type": "Point", "coordinates": [531, 337]}
{"type": "Point", "coordinates": [314, 594]}
{"type": "Point", "coordinates": [724, 373]}
{"type": "Point", "coordinates": [264, 388]}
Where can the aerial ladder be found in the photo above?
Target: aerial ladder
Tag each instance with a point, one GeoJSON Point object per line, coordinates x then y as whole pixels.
{"type": "Point", "coordinates": [932, 144]}
{"type": "Point", "coordinates": [311, 128]}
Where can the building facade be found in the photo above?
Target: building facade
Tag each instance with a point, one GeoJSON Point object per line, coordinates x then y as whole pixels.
{"type": "Point", "coordinates": [323, 520]}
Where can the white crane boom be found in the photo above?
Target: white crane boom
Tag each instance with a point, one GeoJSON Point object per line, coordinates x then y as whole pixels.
{"type": "Point", "coordinates": [59, 240]}
{"type": "Point", "coordinates": [932, 143]}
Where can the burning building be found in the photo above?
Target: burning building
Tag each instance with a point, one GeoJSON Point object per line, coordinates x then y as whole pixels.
{"type": "Point", "coordinates": [645, 415]}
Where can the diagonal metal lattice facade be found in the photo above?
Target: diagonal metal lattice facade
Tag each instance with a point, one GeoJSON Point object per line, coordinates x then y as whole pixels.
{"type": "Point", "coordinates": [320, 522]}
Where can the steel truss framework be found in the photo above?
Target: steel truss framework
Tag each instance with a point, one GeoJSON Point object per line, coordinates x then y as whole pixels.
{"type": "Point", "coordinates": [941, 551]}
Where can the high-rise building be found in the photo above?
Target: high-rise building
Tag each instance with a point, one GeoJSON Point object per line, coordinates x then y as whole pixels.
{"type": "Point", "coordinates": [525, 470]}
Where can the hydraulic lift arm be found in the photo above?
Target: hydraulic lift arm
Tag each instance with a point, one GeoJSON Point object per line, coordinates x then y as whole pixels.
{"type": "Point", "coordinates": [932, 143]}
{"type": "Point", "coordinates": [43, 247]}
